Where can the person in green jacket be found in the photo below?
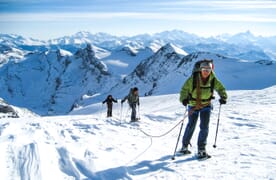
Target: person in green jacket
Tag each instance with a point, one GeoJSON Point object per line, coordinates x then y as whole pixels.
{"type": "Point", "coordinates": [133, 101]}
{"type": "Point", "coordinates": [197, 93]}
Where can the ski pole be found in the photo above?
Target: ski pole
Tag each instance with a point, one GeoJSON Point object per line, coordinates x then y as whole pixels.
{"type": "Point", "coordinates": [138, 112]}
{"type": "Point", "coordinates": [217, 128]}
{"type": "Point", "coordinates": [118, 109]}
{"type": "Point", "coordinates": [121, 113]}
{"type": "Point", "coordinates": [126, 113]}
{"type": "Point", "coordinates": [173, 157]}
{"type": "Point", "coordinates": [102, 111]}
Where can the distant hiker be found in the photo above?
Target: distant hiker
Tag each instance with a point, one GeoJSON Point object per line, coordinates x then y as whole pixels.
{"type": "Point", "coordinates": [133, 101]}
{"type": "Point", "coordinates": [109, 102]}
{"type": "Point", "coordinates": [197, 93]}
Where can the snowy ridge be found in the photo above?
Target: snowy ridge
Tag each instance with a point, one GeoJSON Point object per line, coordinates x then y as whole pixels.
{"type": "Point", "coordinates": [10, 54]}
{"type": "Point", "coordinates": [9, 111]}
{"type": "Point", "coordinates": [84, 37]}
{"type": "Point", "coordinates": [14, 40]}
{"type": "Point", "coordinates": [92, 146]}
{"type": "Point", "coordinates": [155, 68]}
{"type": "Point", "coordinates": [242, 51]}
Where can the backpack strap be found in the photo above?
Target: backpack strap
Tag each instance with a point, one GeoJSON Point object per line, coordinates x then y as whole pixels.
{"type": "Point", "coordinates": [195, 75]}
{"type": "Point", "coordinates": [212, 86]}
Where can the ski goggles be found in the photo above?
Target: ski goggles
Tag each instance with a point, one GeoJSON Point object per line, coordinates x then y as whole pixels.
{"type": "Point", "coordinates": [206, 69]}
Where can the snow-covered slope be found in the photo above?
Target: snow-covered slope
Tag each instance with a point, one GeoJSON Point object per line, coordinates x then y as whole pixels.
{"type": "Point", "coordinates": [8, 53]}
{"type": "Point", "coordinates": [267, 44]}
{"type": "Point", "coordinates": [152, 72]}
{"type": "Point", "coordinates": [84, 37]}
{"type": "Point", "coordinates": [239, 51]}
{"type": "Point", "coordinates": [9, 111]}
{"type": "Point", "coordinates": [125, 59]}
{"type": "Point", "coordinates": [52, 81]}
{"type": "Point", "coordinates": [96, 148]}
{"type": "Point", "coordinates": [15, 40]}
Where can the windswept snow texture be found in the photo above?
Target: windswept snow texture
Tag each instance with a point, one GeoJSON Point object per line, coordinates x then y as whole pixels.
{"type": "Point", "coordinates": [86, 145]}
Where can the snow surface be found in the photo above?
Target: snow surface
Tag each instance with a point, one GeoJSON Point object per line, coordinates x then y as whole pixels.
{"type": "Point", "coordinates": [123, 61]}
{"type": "Point", "coordinates": [87, 145]}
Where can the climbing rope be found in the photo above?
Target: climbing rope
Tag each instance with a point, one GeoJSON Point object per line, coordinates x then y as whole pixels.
{"type": "Point", "coordinates": [166, 133]}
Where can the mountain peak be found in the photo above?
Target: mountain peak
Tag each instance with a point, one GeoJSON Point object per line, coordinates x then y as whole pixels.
{"type": "Point", "coordinates": [82, 34]}
{"type": "Point", "coordinates": [246, 34]}
{"type": "Point", "coordinates": [87, 51]}
{"type": "Point", "coordinates": [170, 48]}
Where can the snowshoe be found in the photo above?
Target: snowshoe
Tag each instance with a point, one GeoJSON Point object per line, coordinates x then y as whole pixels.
{"type": "Point", "coordinates": [184, 151]}
{"type": "Point", "coordinates": [135, 120]}
{"type": "Point", "coordinates": [202, 155]}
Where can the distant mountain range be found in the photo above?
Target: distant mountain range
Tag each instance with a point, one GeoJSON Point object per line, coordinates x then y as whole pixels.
{"type": "Point", "coordinates": [246, 40]}
{"type": "Point", "coordinates": [55, 76]}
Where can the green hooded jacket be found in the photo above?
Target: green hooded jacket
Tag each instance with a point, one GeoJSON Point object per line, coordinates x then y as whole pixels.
{"type": "Point", "coordinates": [132, 98]}
{"type": "Point", "coordinates": [188, 93]}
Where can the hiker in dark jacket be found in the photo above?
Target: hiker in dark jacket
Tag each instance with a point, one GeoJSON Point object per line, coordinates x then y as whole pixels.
{"type": "Point", "coordinates": [133, 101]}
{"type": "Point", "coordinates": [198, 99]}
{"type": "Point", "coordinates": [109, 102]}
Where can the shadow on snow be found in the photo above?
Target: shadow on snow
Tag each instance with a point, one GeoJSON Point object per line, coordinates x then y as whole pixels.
{"type": "Point", "coordinates": [141, 168]}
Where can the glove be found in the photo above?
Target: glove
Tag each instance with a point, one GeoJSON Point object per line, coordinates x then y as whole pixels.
{"type": "Point", "coordinates": [185, 102]}
{"type": "Point", "coordinates": [222, 101]}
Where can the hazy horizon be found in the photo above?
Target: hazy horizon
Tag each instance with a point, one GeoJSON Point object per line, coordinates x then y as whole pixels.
{"type": "Point", "coordinates": [118, 35]}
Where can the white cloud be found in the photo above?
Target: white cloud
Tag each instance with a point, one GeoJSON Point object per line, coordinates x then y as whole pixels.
{"type": "Point", "coordinates": [223, 4]}
{"type": "Point", "coordinates": [29, 17]}
{"type": "Point", "coordinates": [117, 63]}
{"type": "Point", "coordinates": [67, 17]}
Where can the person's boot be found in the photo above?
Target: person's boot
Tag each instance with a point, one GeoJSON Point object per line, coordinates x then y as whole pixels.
{"type": "Point", "coordinates": [184, 150]}
{"type": "Point", "coordinates": [202, 154]}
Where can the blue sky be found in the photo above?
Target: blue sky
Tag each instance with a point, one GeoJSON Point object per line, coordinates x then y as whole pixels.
{"type": "Point", "coordinates": [44, 19]}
